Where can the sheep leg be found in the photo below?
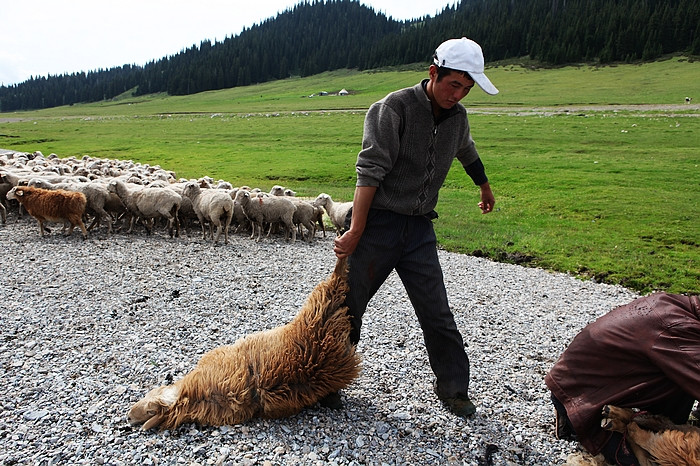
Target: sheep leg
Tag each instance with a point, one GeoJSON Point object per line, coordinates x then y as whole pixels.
{"type": "Point", "coordinates": [95, 222]}
{"type": "Point", "coordinates": [80, 223]}
{"type": "Point", "coordinates": [41, 226]}
{"type": "Point", "coordinates": [290, 229]}
{"type": "Point", "coordinates": [131, 224]}
{"type": "Point", "coordinates": [311, 231]}
{"type": "Point", "coordinates": [260, 228]}
{"type": "Point", "coordinates": [227, 226]}
{"type": "Point", "coordinates": [98, 219]}
{"type": "Point", "coordinates": [173, 225]}
{"type": "Point", "coordinates": [218, 231]}
{"type": "Point", "coordinates": [82, 228]}
{"type": "Point", "coordinates": [204, 229]}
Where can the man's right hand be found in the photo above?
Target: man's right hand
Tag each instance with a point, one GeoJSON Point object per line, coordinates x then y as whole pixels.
{"type": "Point", "coordinates": [344, 245]}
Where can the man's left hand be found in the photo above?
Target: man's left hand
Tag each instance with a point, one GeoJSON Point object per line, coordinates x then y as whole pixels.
{"type": "Point", "coordinates": [487, 199]}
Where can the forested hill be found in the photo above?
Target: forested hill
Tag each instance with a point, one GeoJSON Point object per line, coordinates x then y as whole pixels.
{"type": "Point", "coordinates": [316, 36]}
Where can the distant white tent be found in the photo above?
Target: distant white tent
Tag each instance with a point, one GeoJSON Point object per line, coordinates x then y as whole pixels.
{"type": "Point", "coordinates": [343, 92]}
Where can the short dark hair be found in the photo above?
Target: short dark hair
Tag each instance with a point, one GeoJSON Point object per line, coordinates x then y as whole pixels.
{"type": "Point", "coordinates": [444, 71]}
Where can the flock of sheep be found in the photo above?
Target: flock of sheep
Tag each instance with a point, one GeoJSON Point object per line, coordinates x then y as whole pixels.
{"type": "Point", "coordinates": [75, 191]}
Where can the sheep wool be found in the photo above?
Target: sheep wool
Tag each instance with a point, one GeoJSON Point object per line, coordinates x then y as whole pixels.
{"type": "Point", "coordinates": [53, 206]}
{"type": "Point", "coordinates": [95, 192]}
{"type": "Point", "coordinates": [270, 374]}
{"type": "Point", "coordinates": [149, 203]}
{"type": "Point", "coordinates": [337, 211]}
{"type": "Point", "coordinates": [262, 210]}
{"type": "Point", "coordinates": [213, 206]}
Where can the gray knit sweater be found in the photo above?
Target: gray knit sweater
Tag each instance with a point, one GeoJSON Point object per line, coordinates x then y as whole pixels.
{"type": "Point", "coordinates": [400, 134]}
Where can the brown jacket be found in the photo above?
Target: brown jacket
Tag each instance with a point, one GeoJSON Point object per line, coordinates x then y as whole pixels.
{"type": "Point", "coordinates": [635, 356]}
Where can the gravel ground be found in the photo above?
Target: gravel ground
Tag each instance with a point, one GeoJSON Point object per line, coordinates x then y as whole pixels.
{"type": "Point", "coordinates": [89, 326]}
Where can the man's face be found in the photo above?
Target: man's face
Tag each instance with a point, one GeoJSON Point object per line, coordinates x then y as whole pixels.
{"type": "Point", "coordinates": [450, 89]}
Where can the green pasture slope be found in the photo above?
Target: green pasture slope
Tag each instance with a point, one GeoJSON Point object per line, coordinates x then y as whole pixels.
{"type": "Point", "coordinates": [608, 193]}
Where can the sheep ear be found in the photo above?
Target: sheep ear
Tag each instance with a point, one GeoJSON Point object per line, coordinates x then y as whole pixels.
{"type": "Point", "coordinates": [19, 193]}
{"type": "Point", "coordinates": [155, 421]}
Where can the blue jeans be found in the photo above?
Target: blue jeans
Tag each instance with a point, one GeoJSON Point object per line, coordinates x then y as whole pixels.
{"type": "Point", "coordinates": [408, 245]}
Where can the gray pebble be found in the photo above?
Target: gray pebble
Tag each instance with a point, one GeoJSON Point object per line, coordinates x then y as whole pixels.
{"type": "Point", "coordinates": [88, 327]}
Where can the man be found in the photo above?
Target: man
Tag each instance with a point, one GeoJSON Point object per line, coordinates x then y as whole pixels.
{"type": "Point", "coordinates": [645, 354]}
{"type": "Point", "coordinates": [410, 139]}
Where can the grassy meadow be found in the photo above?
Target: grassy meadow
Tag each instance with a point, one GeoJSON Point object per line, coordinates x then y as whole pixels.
{"type": "Point", "coordinates": [608, 194]}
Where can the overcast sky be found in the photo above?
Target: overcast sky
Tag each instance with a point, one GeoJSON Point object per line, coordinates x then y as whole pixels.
{"type": "Point", "coordinates": [42, 37]}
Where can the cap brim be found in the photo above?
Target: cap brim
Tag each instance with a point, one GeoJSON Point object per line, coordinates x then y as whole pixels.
{"type": "Point", "coordinates": [484, 83]}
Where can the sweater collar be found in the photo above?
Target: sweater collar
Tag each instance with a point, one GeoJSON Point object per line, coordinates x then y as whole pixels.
{"type": "Point", "coordinates": [421, 92]}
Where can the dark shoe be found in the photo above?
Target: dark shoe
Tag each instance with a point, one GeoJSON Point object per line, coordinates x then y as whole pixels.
{"type": "Point", "coordinates": [331, 401]}
{"type": "Point", "coordinates": [460, 405]}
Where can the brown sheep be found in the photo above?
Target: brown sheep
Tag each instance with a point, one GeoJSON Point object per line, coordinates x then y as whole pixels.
{"type": "Point", "coordinates": [53, 206]}
{"type": "Point", "coordinates": [654, 439]}
{"type": "Point", "coordinates": [269, 374]}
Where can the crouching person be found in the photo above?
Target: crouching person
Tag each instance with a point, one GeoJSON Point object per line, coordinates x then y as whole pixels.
{"type": "Point", "coordinates": [645, 355]}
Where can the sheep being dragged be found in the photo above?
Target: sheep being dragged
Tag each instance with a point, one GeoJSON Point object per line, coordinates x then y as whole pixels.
{"type": "Point", "coordinates": [53, 206]}
{"type": "Point", "coordinates": [270, 374]}
{"type": "Point", "coordinates": [211, 205]}
{"type": "Point", "coordinates": [337, 211]}
{"type": "Point", "coordinates": [148, 204]}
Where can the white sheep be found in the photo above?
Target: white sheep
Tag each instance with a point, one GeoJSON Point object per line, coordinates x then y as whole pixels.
{"type": "Point", "coordinates": [225, 185]}
{"type": "Point", "coordinates": [148, 204]}
{"type": "Point", "coordinates": [337, 211]}
{"type": "Point", "coordinates": [239, 218]}
{"type": "Point", "coordinates": [211, 205]}
{"type": "Point", "coordinates": [186, 214]}
{"type": "Point", "coordinates": [277, 190]}
{"type": "Point", "coordinates": [267, 210]}
{"type": "Point", "coordinates": [319, 212]}
{"type": "Point", "coordinates": [305, 214]}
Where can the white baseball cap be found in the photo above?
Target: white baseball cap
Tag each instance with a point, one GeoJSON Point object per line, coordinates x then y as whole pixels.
{"type": "Point", "coordinates": [465, 55]}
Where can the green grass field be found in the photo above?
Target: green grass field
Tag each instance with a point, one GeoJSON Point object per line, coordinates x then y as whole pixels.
{"type": "Point", "coordinates": [607, 194]}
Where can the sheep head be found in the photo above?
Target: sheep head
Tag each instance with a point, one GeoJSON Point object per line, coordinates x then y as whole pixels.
{"type": "Point", "coordinates": [14, 193]}
{"type": "Point", "coordinates": [321, 200]}
{"type": "Point", "coordinates": [152, 410]}
{"type": "Point", "coordinates": [191, 189]}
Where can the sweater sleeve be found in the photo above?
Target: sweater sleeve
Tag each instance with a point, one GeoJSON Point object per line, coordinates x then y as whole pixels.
{"type": "Point", "coordinates": [380, 145]}
{"type": "Point", "coordinates": [477, 172]}
{"type": "Point", "coordinates": [469, 157]}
